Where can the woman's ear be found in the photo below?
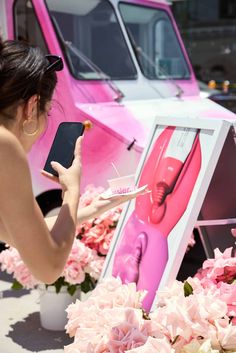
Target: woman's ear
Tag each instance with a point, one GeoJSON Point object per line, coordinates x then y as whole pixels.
{"type": "Point", "coordinates": [31, 107]}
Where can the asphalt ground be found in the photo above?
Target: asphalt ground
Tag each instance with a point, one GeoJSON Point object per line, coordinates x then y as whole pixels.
{"type": "Point", "coordinates": [20, 329]}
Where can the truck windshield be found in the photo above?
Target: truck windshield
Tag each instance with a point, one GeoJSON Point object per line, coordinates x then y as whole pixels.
{"type": "Point", "coordinates": [92, 28]}
{"type": "Point", "coordinates": [154, 41]}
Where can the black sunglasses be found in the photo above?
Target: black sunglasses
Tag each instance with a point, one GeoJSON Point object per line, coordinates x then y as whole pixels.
{"type": "Point", "coordinates": [55, 63]}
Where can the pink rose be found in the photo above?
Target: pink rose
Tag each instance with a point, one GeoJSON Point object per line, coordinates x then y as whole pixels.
{"type": "Point", "coordinates": [154, 345]}
{"type": "Point", "coordinates": [98, 232]}
{"type": "Point", "coordinates": [73, 273]}
{"type": "Point", "coordinates": [125, 337]}
{"type": "Point", "coordinates": [221, 268]}
{"type": "Point", "coordinates": [227, 293]}
{"type": "Point", "coordinates": [131, 333]}
{"type": "Point", "coordinates": [12, 263]}
{"type": "Point", "coordinates": [110, 297]}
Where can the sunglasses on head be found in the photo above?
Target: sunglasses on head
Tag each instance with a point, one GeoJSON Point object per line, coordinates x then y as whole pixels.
{"type": "Point", "coordinates": [55, 63]}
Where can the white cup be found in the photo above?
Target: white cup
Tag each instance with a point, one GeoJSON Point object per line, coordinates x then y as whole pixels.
{"type": "Point", "coordinates": [122, 185]}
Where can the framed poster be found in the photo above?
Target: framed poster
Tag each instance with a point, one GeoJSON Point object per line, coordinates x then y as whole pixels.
{"type": "Point", "coordinates": [154, 230]}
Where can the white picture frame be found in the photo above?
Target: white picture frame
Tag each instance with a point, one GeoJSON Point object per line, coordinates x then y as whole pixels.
{"type": "Point", "coordinates": [212, 135]}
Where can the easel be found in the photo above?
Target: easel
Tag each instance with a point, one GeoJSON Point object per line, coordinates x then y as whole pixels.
{"type": "Point", "coordinates": [216, 217]}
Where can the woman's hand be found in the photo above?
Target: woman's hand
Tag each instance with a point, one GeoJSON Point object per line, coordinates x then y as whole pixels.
{"type": "Point", "coordinates": [99, 205]}
{"type": "Point", "coordinates": [68, 178]}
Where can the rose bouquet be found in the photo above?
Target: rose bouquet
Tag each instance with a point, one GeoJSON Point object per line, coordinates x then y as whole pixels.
{"type": "Point", "coordinates": [82, 269]}
{"type": "Point", "coordinates": [189, 317]}
{"type": "Point", "coordinates": [97, 232]}
{"type": "Point", "coordinates": [218, 275]}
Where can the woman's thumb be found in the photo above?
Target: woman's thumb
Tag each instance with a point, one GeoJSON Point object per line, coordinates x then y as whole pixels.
{"type": "Point", "coordinates": [77, 150]}
{"type": "Point", "coordinates": [57, 167]}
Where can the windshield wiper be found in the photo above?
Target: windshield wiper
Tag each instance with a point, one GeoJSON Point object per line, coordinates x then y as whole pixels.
{"type": "Point", "coordinates": [101, 74]}
{"type": "Point", "coordinates": [69, 46]}
{"type": "Point", "coordinates": [140, 53]}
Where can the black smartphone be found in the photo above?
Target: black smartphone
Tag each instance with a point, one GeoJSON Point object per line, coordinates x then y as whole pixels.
{"type": "Point", "coordinates": [62, 149]}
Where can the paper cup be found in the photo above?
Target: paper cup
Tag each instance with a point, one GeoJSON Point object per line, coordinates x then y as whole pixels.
{"type": "Point", "coordinates": [122, 185]}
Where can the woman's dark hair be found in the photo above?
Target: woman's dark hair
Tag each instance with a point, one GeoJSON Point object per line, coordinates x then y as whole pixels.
{"type": "Point", "coordinates": [23, 74]}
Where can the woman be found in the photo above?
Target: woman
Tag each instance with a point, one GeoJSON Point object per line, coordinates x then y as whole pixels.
{"type": "Point", "coordinates": [27, 82]}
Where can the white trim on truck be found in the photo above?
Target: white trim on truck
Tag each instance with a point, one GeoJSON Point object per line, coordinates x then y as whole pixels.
{"type": "Point", "coordinates": [3, 22]}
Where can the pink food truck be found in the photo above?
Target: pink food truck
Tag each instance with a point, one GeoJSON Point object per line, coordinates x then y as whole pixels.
{"type": "Point", "coordinates": [125, 64]}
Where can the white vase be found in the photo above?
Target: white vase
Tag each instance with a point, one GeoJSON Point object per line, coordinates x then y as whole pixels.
{"type": "Point", "coordinates": [53, 305]}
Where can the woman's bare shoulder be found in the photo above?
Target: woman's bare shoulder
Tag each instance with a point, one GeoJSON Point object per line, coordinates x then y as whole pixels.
{"type": "Point", "coordinates": [13, 159]}
{"type": "Point", "coordinates": [10, 147]}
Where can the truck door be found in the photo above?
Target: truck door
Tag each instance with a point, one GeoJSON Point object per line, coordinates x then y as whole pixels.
{"type": "Point", "coordinates": [27, 25]}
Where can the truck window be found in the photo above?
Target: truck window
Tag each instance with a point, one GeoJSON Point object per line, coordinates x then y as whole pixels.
{"type": "Point", "coordinates": [154, 41]}
{"type": "Point", "coordinates": [92, 39]}
{"type": "Point", "coordinates": [26, 24]}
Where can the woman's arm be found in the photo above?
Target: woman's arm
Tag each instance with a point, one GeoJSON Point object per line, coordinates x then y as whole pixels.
{"type": "Point", "coordinates": [44, 252]}
{"type": "Point", "coordinates": [97, 207]}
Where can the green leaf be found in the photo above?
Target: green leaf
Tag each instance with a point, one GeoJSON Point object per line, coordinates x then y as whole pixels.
{"type": "Point", "coordinates": [16, 285]}
{"type": "Point", "coordinates": [188, 289]}
{"type": "Point", "coordinates": [60, 282]}
{"type": "Point", "coordinates": [72, 289]}
{"type": "Point", "coordinates": [88, 284]}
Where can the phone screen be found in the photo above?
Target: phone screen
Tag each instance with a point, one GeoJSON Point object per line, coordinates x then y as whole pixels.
{"type": "Point", "coordinates": [62, 149]}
